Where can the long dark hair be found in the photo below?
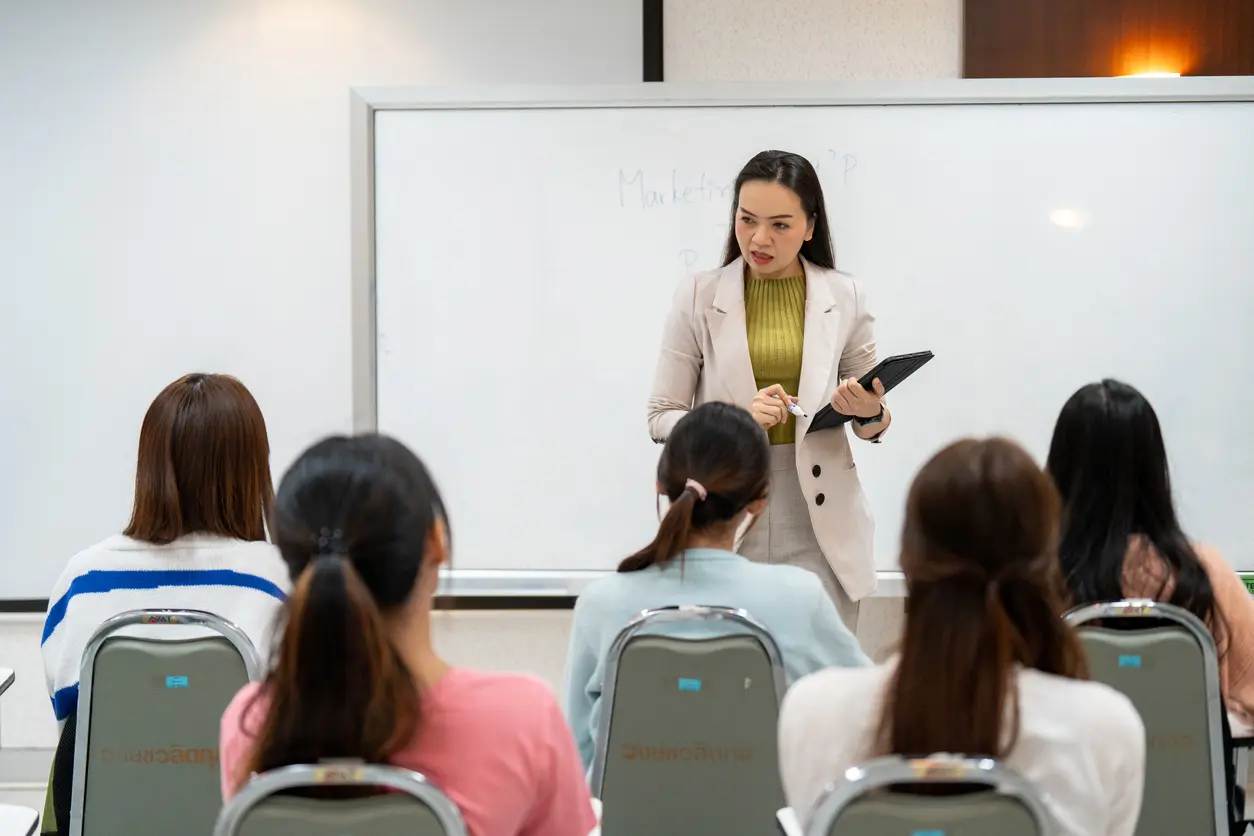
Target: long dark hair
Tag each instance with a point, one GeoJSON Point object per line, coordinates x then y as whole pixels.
{"type": "Point", "coordinates": [203, 464]}
{"type": "Point", "coordinates": [1109, 463]}
{"type": "Point", "coordinates": [723, 449]}
{"type": "Point", "coordinates": [352, 520]}
{"type": "Point", "coordinates": [795, 172]}
{"type": "Point", "coordinates": [984, 595]}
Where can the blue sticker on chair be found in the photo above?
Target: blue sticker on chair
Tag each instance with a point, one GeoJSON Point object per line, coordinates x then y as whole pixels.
{"type": "Point", "coordinates": [689, 684]}
{"type": "Point", "coordinates": [176, 682]}
{"type": "Point", "coordinates": [1129, 661]}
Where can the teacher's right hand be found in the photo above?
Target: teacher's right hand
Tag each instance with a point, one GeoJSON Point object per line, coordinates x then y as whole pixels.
{"type": "Point", "coordinates": [769, 406]}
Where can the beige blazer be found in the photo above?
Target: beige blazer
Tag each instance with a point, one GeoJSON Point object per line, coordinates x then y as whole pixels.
{"type": "Point", "coordinates": [705, 357]}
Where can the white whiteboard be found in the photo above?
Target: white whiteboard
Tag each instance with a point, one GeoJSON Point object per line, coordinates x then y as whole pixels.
{"type": "Point", "coordinates": [526, 257]}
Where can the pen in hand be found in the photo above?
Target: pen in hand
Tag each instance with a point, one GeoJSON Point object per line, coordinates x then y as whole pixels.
{"type": "Point", "coordinates": [792, 407]}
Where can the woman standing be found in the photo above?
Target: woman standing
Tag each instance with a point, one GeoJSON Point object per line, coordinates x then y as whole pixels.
{"type": "Point", "coordinates": [778, 325]}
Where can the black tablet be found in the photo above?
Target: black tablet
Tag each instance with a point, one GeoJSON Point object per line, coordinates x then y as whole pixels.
{"type": "Point", "coordinates": [890, 371]}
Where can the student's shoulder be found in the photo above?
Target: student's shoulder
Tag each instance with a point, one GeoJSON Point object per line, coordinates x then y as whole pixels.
{"type": "Point", "coordinates": [1108, 709]}
{"type": "Point", "coordinates": [521, 688]}
{"type": "Point", "coordinates": [1213, 561]}
{"type": "Point", "coordinates": [607, 591]}
{"type": "Point", "coordinates": [258, 558]}
{"type": "Point", "coordinates": [824, 692]}
{"type": "Point", "coordinates": [1098, 710]}
{"type": "Point", "coordinates": [797, 583]}
{"type": "Point", "coordinates": [517, 700]}
{"type": "Point", "coordinates": [264, 552]}
{"type": "Point", "coordinates": [110, 553]}
{"type": "Point", "coordinates": [246, 694]}
{"type": "Point", "coordinates": [246, 700]}
{"type": "Point", "coordinates": [105, 552]}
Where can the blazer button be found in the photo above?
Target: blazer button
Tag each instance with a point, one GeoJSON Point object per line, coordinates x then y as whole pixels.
{"type": "Point", "coordinates": [816, 470]}
{"type": "Point", "coordinates": [820, 499]}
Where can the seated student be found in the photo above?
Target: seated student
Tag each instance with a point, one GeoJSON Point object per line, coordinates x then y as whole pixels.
{"type": "Point", "coordinates": [714, 470]}
{"type": "Point", "coordinates": [196, 540]}
{"type": "Point", "coordinates": [987, 668]}
{"type": "Point", "coordinates": [363, 531]}
{"type": "Point", "coordinates": [197, 535]}
{"type": "Point", "coordinates": [1120, 535]}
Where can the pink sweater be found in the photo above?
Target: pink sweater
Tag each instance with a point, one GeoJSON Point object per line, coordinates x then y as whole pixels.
{"type": "Point", "coordinates": [496, 744]}
{"type": "Point", "coordinates": [1145, 574]}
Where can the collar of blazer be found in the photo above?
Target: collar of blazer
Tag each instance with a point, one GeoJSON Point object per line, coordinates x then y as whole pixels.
{"type": "Point", "coordinates": [730, 338]}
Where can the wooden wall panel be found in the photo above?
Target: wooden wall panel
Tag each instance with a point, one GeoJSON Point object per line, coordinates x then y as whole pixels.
{"type": "Point", "coordinates": [1069, 38]}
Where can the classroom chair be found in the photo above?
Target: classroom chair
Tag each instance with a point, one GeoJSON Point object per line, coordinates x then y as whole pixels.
{"type": "Point", "coordinates": [149, 710]}
{"type": "Point", "coordinates": [687, 735]}
{"type": "Point", "coordinates": [409, 804]}
{"type": "Point", "coordinates": [941, 794]}
{"type": "Point", "coordinates": [1163, 658]}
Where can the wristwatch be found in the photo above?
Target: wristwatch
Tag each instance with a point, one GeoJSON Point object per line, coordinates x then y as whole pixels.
{"type": "Point", "coordinates": [862, 422]}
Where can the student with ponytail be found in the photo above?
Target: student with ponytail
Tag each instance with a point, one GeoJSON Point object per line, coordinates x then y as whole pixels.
{"type": "Point", "coordinates": [987, 667]}
{"type": "Point", "coordinates": [715, 474]}
{"type": "Point", "coordinates": [362, 529]}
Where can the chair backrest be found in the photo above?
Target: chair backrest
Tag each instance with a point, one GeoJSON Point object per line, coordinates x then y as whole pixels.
{"type": "Point", "coordinates": [411, 805]}
{"type": "Point", "coordinates": [149, 711]}
{"type": "Point", "coordinates": [1163, 659]}
{"type": "Point", "coordinates": [687, 735]}
{"type": "Point", "coordinates": [941, 794]}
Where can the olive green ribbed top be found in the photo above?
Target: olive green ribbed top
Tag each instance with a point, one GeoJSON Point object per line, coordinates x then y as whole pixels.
{"type": "Point", "coordinates": [775, 321]}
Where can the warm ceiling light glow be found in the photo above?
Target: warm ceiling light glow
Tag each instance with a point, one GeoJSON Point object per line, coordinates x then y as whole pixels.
{"type": "Point", "coordinates": [1165, 55]}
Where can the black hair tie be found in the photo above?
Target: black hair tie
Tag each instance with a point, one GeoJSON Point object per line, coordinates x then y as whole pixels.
{"type": "Point", "coordinates": [329, 543]}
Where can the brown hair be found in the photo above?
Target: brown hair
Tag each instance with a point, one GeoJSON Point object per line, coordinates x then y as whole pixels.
{"type": "Point", "coordinates": [204, 463]}
{"type": "Point", "coordinates": [723, 449]}
{"type": "Point", "coordinates": [979, 552]}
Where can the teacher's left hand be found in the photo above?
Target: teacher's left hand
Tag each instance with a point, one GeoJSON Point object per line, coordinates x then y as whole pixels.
{"type": "Point", "coordinates": [851, 399]}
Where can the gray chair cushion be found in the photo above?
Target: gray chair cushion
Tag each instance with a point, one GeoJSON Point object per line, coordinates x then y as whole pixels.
{"type": "Point", "coordinates": [692, 744]}
{"type": "Point", "coordinates": [886, 813]}
{"type": "Point", "coordinates": [383, 815]}
{"type": "Point", "coordinates": [1161, 670]}
{"type": "Point", "coordinates": [155, 708]}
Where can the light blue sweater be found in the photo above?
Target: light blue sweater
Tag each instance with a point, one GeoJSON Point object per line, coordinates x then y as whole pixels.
{"type": "Point", "coordinates": [789, 601]}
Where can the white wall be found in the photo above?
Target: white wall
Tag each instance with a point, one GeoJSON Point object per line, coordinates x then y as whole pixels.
{"type": "Point", "coordinates": [172, 164]}
{"type": "Point", "coordinates": [174, 197]}
{"type": "Point", "coordinates": [815, 40]}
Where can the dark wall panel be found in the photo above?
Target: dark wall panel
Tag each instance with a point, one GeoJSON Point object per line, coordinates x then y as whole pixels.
{"type": "Point", "coordinates": [1068, 38]}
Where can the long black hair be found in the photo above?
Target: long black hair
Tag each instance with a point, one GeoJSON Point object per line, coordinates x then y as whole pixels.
{"type": "Point", "coordinates": [795, 172]}
{"type": "Point", "coordinates": [723, 449]}
{"type": "Point", "coordinates": [351, 519]}
{"type": "Point", "coordinates": [1109, 462]}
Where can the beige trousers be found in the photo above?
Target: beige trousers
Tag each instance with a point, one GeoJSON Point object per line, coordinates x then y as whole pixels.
{"type": "Point", "coordinates": [783, 534]}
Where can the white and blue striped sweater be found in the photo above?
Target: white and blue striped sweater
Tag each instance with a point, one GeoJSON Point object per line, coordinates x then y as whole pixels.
{"type": "Point", "coordinates": [243, 582]}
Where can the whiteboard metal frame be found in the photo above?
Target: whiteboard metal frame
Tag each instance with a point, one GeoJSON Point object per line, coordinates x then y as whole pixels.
{"type": "Point", "coordinates": [365, 102]}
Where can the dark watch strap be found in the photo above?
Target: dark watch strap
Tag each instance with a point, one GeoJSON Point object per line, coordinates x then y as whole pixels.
{"type": "Point", "coordinates": [862, 422]}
